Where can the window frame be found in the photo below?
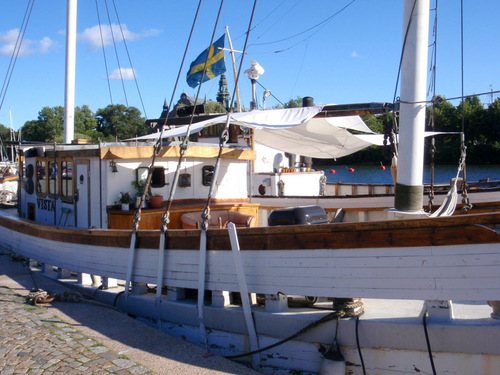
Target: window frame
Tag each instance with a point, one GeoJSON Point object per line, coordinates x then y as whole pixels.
{"type": "Point", "coordinates": [42, 192]}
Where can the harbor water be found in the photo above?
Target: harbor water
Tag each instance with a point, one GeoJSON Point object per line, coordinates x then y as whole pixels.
{"type": "Point", "coordinates": [375, 174]}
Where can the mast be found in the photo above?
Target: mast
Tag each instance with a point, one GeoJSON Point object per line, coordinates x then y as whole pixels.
{"type": "Point", "coordinates": [69, 94]}
{"type": "Point", "coordinates": [232, 51]}
{"type": "Point", "coordinates": [409, 185]}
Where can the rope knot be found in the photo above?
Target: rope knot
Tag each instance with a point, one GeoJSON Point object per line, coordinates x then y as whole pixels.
{"type": "Point", "coordinates": [39, 296]}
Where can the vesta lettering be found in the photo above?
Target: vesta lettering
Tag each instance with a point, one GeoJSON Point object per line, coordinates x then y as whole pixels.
{"type": "Point", "coordinates": [45, 204]}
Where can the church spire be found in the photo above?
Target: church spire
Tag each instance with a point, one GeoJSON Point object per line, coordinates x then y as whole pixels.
{"type": "Point", "coordinates": [223, 93]}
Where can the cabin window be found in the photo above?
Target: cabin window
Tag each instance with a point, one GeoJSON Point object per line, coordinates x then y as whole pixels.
{"type": "Point", "coordinates": [53, 178]}
{"type": "Point", "coordinates": [141, 174]}
{"type": "Point", "coordinates": [207, 173]}
{"type": "Point", "coordinates": [41, 177]}
{"type": "Point", "coordinates": [158, 177]}
{"type": "Point", "coordinates": [67, 180]}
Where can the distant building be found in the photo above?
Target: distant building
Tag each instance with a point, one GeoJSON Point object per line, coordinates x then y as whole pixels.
{"type": "Point", "coordinates": [223, 93]}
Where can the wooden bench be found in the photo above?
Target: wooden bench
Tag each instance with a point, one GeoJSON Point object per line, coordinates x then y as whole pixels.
{"type": "Point", "coordinates": [218, 219]}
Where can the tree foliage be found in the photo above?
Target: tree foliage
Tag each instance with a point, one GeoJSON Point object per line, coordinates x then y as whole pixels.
{"type": "Point", "coordinates": [4, 132]}
{"type": "Point", "coordinates": [294, 103]}
{"type": "Point", "coordinates": [481, 129]}
{"type": "Point", "coordinates": [214, 107]}
{"type": "Point", "coordinates": [48, 127]}
{"type": "Point", "coordinates": [117, 121]}
{"type": "Point", "coordinates": [110, 123]}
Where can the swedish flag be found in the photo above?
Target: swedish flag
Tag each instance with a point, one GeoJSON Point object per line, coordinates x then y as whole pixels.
{"type": "Point", "coordinates": [216, 65]}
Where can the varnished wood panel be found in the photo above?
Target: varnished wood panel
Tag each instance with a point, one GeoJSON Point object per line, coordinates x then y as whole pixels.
{"type": "Point", "coordinates": [174, 151]}
{"type": "Point", "coordinates": [151, 218]}
{"type": "Point", "coordinates": [455, 230]}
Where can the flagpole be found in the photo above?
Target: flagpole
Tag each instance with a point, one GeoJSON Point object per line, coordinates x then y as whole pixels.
{"type": "Point", "coordinates": [237, 89]}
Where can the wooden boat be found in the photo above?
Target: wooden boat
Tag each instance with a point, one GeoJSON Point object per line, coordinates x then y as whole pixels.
{"type": "Point", "coordinates": [240, 285]}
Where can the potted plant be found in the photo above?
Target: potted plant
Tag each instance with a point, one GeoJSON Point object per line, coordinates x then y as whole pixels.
{"type": "Point", "coordinates": [125, 200]}
{"type": "Point", "coordinates": [139, 186]}
{"type": "Point", "coordinates": [156, 200]}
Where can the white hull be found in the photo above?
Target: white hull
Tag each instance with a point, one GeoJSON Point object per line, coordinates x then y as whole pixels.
{"type": "Point", "coordinates": [395, 280]}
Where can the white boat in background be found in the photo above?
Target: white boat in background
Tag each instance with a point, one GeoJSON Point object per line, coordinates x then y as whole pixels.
{"type": "Point", "coordinates": [397, 290]}
{"type": "Point", "coordinates": [8, 183]}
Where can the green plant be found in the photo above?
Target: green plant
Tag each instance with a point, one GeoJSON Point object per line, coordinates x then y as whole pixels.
{"type": "Point", "coordinates": [139, 186]}
{"type": "Point", "coordinates": [125, 198]}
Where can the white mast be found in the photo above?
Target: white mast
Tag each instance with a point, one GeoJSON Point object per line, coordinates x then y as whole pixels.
{"type": "Point", "coordinates": [69, 94]}
{"type": "Point", "coordinates": [409, 185]}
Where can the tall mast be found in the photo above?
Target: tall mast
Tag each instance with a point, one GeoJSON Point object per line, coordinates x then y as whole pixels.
{"type": "Point", "coordinates": [409, 185]}
{"type": "Point", "coordinates": [69, 94]}
{"type": "Point", "coordinates": [232, 51]}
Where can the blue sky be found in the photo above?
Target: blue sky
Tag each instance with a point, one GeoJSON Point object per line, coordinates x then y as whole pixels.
{"type": "Point", "coordinates": [307, 48]}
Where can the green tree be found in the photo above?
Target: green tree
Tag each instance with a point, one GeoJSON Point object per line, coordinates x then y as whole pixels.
{"type": "Point", "coordinates": [214, 107]}
{"type": "Point", "coordinates": [446, 119]}
{"type": "Point", "coordinates": [86, 124]}
{"type": "Point", "coordinates": [493, 120]}
{"type": "Point", "coordinates": [492, 133]}
{"type": "Point", "coordinates": [4, 132]}
{"type": "Point", "coordinates": [475, 124]}
{"type": "Point", "coordinates": [48, 128]}
{"type": "Point", "coordinates": [294, 103]}
{"type": "Point", "coordinates": [116, 121]}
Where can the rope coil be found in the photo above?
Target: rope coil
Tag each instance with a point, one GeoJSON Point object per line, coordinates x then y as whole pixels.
{"type": "Point", "coordinates": [39, 296]}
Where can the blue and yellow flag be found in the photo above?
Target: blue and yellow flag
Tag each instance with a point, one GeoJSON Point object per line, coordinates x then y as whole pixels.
{"type": "Point", "coordinates": [216, 65]}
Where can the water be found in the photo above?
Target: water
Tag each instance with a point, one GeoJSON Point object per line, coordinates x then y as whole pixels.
{"type": "Point", "coordinates": [373, 174]}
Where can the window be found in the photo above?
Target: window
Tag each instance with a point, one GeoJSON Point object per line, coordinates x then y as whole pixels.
{"type": "Point", "coordinates": [67, 180]}
{"type": "Point", "coordinates": [41, 181]}
{"type": "Point", "coordinates": [207, 175]}
{"type": "Point", "coordinates": [158, 177]}
{"type": "Point", "coordinates": [53, 178]}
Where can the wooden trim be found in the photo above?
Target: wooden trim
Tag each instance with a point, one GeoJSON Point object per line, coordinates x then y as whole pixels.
{"type": "Point", "coordinates": [76, 153]}
{"type": "Point", "coordinates": [146, 152]}
{"type": "Point", "coordinates": [9, 178]}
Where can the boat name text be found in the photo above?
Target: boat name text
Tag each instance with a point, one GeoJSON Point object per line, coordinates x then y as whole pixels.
{"type": "Point", "coordinates": [46, 204]}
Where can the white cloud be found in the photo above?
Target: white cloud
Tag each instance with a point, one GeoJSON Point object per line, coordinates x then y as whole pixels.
{"type": "Point", "coordinates": [126, 74]}
{"type": "Point", "coordinates": [28, 47]}
{"type": "Point", "coordinates": [354, 54]}
{"type": "Point", "coordinates": [92, 36]}
{"type": "Point", "coordinates": [46, 45]}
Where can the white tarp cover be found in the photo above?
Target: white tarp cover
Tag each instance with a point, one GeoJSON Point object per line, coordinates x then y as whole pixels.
{"type": "Point", "coordinates": [294, 130]}
{"type": "Point", "coordinates": [322, 138]}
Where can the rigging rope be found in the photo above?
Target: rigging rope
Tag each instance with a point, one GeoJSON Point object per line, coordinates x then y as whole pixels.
{"type": "Point", "coordinates": [325, 21]}
{"type": "Point", "coordinates": [185, 144]}
{"type": "Point", "coordinates": [395, 98]}
{"type": "Point", "coordinates": [15, 51]}
{"type": "Point", "coordinates": [104, 53]}
{"type": "Point", "coordinates": [403, 51]}
{"type": "Point", "coordinates": [432, 86]}
{"type": "Point", "coordinates": [225, 133]}
{"type": "Point", "coordinates": [116, 52]}
{"type": "Point", "coordinates": [129, 59]}
{"type": "Point", "coordinates": [465, 198]}
{"type": "Point", "coordinates": [159, 144]}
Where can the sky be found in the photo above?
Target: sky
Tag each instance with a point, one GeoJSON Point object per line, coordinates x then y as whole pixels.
{"type": "Point", "coordinates": [336, 51]}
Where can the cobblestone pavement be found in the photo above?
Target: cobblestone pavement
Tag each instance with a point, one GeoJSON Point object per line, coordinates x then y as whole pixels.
{"type": "Point", "coordinates": [87, 338]}
{"type": "Point", "coordinates": [34, 341]}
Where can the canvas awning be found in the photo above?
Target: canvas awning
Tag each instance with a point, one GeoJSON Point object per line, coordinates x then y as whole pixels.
{"type": "Point", "coordinates": [294, 130]}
